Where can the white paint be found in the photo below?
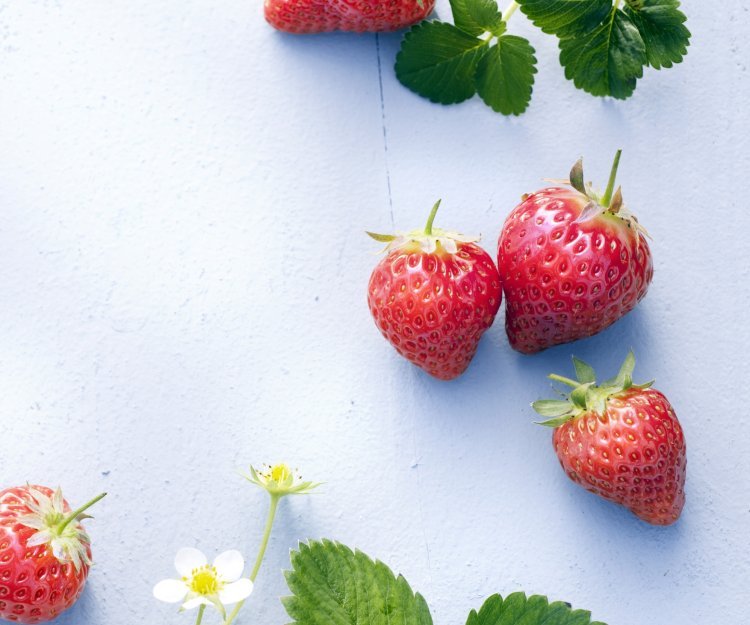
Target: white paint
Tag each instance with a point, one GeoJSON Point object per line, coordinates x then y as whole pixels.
{"type": "Point", "coordinates": [184, 196]}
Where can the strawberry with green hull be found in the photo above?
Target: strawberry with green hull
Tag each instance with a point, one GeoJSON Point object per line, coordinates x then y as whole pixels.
{"type": "Point", "coordinates": [621, 441]}
{"type": "Point", "coordinates": [320, 16]}
{"type": "Point", "coordinates": [433, 296]}
{"type": "Point", "coordinates": [45, 554]}
{"type": "Point", "coordinates": [572, 263]}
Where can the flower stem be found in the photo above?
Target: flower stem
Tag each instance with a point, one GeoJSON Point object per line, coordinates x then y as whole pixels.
{"type": "Point", "coordinates": [201, 610]}
{"type": "Point", "coordinates": [74, 515]}
{"type": "Point", "coordinates": [431, 218]}
{"type": "Point", "coordinates": [510, 11]}
{"type": "Point", "coordinates": [261, 553]}
{"type": "Point", "coordinates": [607, 198]}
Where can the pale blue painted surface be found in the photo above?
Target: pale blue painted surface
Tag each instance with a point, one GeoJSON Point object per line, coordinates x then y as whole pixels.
{"type": "Point", "coordinates": [184, 195]}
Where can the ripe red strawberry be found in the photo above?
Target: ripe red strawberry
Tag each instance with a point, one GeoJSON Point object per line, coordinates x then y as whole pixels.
{"type": "Point", "coordinates": [433, 296]}
{"type": "Point", "coordinates": [320, 16]}
{"type": "Point", "coordinates": [621, 441]}
{"type": "Point", "coordinates": [45, 554]}
{"type": "Point", "coordinates": [572, 263]}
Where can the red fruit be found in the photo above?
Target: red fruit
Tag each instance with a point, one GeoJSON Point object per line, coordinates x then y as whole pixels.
{"type": "Point", "coordinates": [572, 263]}
{"type": "Point", "coordinates": [621, 441]}
{"type": "Point", "coordinates": [320, 16]}
{"type": "Point", "coordinates": [45, 554]}
{"type": "Point", "coordinates": [433, 296]}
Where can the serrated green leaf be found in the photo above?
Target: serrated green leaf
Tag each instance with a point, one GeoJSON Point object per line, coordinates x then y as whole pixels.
{"type": "Point", "coordinates": [518, 609]}
{"type": "Point", "coordinates": [584, 372]}
{"type": "Point", "coordinates": [662, 28]}
{"type": "Point", "coordinates": [505, 75]}
{"type": "Point", "coordinates": [566, 18]}
{"type": "Point", "coordinates": [552, 407]}
{"type": "Point", "coordinates": [333, 585]}
{"type": "Point", "coordinates": [608, 60]}
{"type": "Point", "coordinates": [477, 17]}
{"type": "Point", "coordinates": [438, 61]}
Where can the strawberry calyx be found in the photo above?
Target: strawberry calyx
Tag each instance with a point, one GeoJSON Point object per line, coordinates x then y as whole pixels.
{"type": "Point", "coordinates": [428, 239]}
{"type": "Point", "coordinates": [609, 203]}
{"type": "Point", "coordinates": [586, 396]}
{"type": "Point", "coordinates": [59, 530]}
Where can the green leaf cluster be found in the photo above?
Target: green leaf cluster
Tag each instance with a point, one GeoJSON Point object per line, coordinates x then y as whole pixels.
{"type": "Point", "coordinates": [604, 48]}
{"type": "Point", "coordinates": [334, 585]}
{"type": "Point", "coordinates": [450, 63]}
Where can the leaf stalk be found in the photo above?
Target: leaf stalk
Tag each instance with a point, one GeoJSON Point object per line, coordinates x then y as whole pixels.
{"type": "Point", "coordinates": [508, 13]}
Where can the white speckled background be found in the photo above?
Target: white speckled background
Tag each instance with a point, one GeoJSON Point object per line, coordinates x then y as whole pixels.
{"type": "Point", "coordinates": [183, 196]}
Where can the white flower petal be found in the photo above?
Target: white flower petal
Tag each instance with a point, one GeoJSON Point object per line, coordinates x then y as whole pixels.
{"type": "Point", "coordinates": [170, 590]}
{"type": "Point", "coordinates": [188, 559]}
{"type": "Point", "coordinates": [229, 565]}
{"type": "Point", "coordinates": [195, 602]}
{"type": "Point", "coordinates": [237, 591]}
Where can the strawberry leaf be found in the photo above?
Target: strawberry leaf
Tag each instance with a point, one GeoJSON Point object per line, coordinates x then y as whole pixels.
{"type": "Point", "coordinates": [566, 18]}
{"type": "Point", "coordinates": [505, 75]}
{"type": "Point", "coordinates": [608, 60]}
{"type": "Point", "coordinates": [333, 584]}
{"type": "Point", "coordinates": [517, 608]}
{"type": "Point", "coordinates": [476, 17]}
{"type": "Point", "coordinates": [438, 61]}
{"type": "Point", "coordinates": [662, 28]}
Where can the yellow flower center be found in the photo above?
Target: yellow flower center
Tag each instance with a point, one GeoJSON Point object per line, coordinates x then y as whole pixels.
{"type": "Point", "coordinates": [205, 581]}
{"type": "Point", "coordinates": [280, 472]}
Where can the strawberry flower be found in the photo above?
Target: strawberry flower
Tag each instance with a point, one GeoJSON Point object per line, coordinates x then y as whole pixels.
{"type": "Point", "coordinates": [279, 480]}
{"type": "Point", "coordinates": [200, 584]}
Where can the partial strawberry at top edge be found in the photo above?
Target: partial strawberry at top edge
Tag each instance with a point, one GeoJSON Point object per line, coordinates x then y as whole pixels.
{"type": "Point", "coordinates": [321, 16]}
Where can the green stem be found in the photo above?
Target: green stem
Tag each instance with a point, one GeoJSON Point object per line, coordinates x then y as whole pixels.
{"type": "Point", "coordinates": [201, 610]}
{"type": "Point", "coordinates": [607, 198]}
{"type": "Point", "coordinates": [261, 552]}
{"type": "Point", "coordinates": [431, 218]}
{"type": "Point", "coordinates": [510, 11]}
{"type": "Point", "coordinates": [564, 380]}
{"type": "Point", "coordinates": [74, 515]}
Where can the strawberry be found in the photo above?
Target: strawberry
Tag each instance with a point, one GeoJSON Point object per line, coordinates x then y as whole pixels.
{"type": "Point", "coordinates": [45, 554]}
{"type": "Point", "coordinates": [621, 441]}
{"type": "Point", "coordinates": [572, 263]}
{"type": "Point", "coordinates": [433, 296]}
{"type": "Point", "coordinates": [320, 16]}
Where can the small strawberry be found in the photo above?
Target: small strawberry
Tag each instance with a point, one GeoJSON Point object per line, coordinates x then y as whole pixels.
{"type": "Point", "coordinates": [320, 16]}
{"type": "Point", "coordinates": [621, 441]}
{"type": "Point", "coordinates": [45, 554]}
{"type": "Point", "coordinates": [433, 296]}
{"type": "Point", "coordinates": [572, 263]}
